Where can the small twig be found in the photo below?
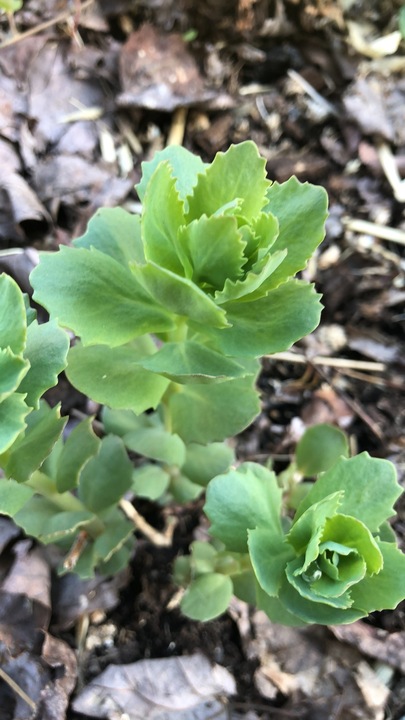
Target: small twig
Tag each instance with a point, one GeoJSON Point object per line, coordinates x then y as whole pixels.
{"type": "Point", "coordinates": [157, 538]}
{"type": "Point", "coordinates": [178, 127]}
{"type": "Point", "coordinates": [380, 231]}
{"type": "Point", "coordinates": [313, 94]}
{"type": "Point", "coordinates": [75, 551]}
{"type": "Point", "coordinates": [328, 361]}
{"type": "Point", "coordinates": [10, 682]}
{"type": "Point", "coordinates": [63, 17]}
{"type": "Point", "coordinates": [390, 168]}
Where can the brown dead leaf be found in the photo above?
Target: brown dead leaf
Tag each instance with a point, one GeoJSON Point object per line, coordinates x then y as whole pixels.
{"type": "Point", "coordinates": [374, 642]}
{"type": "Point", "coordinates": [29, 576]}
{"type": "Point", "coordinates": [182, 688]}
{"type": "Point", "coordinates": [158, 72]}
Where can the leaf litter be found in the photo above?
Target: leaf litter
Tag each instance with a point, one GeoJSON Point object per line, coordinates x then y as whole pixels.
{"type": "Point", "coordinates": [75, 98]}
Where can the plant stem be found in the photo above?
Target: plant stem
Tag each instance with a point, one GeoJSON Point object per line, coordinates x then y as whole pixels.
{"type": "Point", "coordinates": [157, 538]}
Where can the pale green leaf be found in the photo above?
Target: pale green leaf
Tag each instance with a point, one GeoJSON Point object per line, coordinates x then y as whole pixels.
{"type": "Point", "coordinates": [183, 489]}
{"type": "Point", "coordinates": [13, 496]}
{"type": "Point", "coordinates": [207, 597]}
{"type": "Point", "coordinates": [186, 167]}
{"type": "Point", "coordinates": [158, 444]}
{"type": "Point", "coordinates": [119, 422]}
{"type": "Point", "coordinates": [209, 413]}
{"type": "Point", "coordinates": [179, 295]}
{"type": "Point", "coordinates": [386, 589]}
{"type": "Point", "coordinates": [46, 350]}
{"type": "Point", "coordinates": [270, 324]}
{"type": "Point", "coordinates": [301, 210]}
{"type": "Point", "coordinates": [269, 553]}
{"type": "Point", "coordinates": [352, 533]}
{"type": "Point", "coordinates": [44, 427]}
{"type": "Point", "coordinates": [12, 370]}
{"type": "Point", "coordinates": [96, 297]}
{"type": "Point", "coordinates": [189, 361]}
{"type": "Point", "coordinates": [319, 448]}
{"type": "Point", "coordinates": [369, 486]}
{"type": "Point", "coordinates": [310, 524]}
{"type": "Point", "coordinates": [80, 445]}
{"type": "Point", "coordinates": [115, 232]}
{"type": "Point", "coordinates": [242, 500]}
{"type": "Point", "coordinates": [106, 477]}
{"type": "Point", "coordinates": [204, 462]}
{"type": "Point", "coordinates": [112, 376]}
{"type": "Point", "coordinates": [13, 411]}
{"type": "Point", "coordinates": [150, 481]}
{"type": "Point", "coordinates": [163, 215]}
{"type": "Point", "coordinates": [12, 315]}
{"type": "Point", "coordinates": [214, 248]}
{"type": "Point", "coordinates": [239, 173]}
{"type": "Point", "coordinates": [308, 592]}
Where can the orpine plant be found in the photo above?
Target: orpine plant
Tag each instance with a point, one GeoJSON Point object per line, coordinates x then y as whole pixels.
{"type": "Point", "coordinates": [172, 310]}
{"type": "Point", "coordinates": [332, 562]}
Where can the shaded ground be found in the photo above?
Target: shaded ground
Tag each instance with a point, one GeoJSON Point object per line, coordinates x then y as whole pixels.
{"type": "Point", "coordinates": [320, 87]}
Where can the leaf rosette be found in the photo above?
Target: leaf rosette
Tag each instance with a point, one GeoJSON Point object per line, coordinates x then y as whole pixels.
{"type": "Point", "coordinates": [192, 291]}
{"type": "Point", "coordinates": [338, 560]}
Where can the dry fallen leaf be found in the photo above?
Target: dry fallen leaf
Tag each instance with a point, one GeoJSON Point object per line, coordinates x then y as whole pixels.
{"type": "Point", "coordinates": [182, 688]}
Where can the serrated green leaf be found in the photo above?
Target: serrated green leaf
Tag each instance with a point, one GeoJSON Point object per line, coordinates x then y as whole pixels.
{"type": "Point", "coordinates": [204, 462]}
{"type": "Point", "coordinates": [64, 524]}
{"type": "Point", "coordinates": [179, 295]}
{"type": "Point", "coordinates": [13, 496]}
{"type": "Point", "coordinates": [115, 232]}
{"type": "Point", "coordinates": [269, 553]}
{"type": "Point", "coordinates": [369, 488]}
{"type": "Point", "coordinates": [270, 324]}
{"type": "Point", "coordinates": [44, 427]}
{"type": "Point", "coordinates": [214, 248]}
{"type": "Point", "coordinates": [315, 612]}
{"type": "Point", "coordinates": [34, 514]}
{"type": "Point", "coordinates": [250, 287]}
{"type": "Point", "coordinates": [307, 591]}
{"type": "Point", "coordinates": [158, 444]}
{"type": "Point", "coordinates": [239, 173]}
{"type": "Point", "coordinates": [163, 215]}
{"type": "Point", "coordinates": [352, 533]}
{"type": "Point", "coordinates": [80, 445]}
{"type": "Point", "coordinates": [113, 538]}
{"type": "Point", "coordinates": [12, 315]}
{"type": "Point", "coordinates": [12, 370]}
{"type": "Point", "coordinates": [207, 597]}
{"type": "Point", "coordinates": [75, 284]}
{"type": "Point", "coordinates": [186, 167]}
{"type": "Point", "coordinates": [319, 448]}
{"type": "Point", "coordinates": [209, 413]}
{"type": "Point", "coordinates": [46, 350]}
{"type": "Point", "coordinates": [189, 361]}
{"type": "Point", "coordinates": [307, 529]}
{"type": "Point", "coordinates": [241, 500]}
{"type": "Point", "coordinates": [119, 560]}
{"type": "Point", "coordinates": [106, 477]}
{"type": "Point", "coordinates": [301, 210]}
{"type": "Point", "coordinates": [112, 376]}
{"type": "Point", "coordinates": [275, 610]}
{"type": "Point", "coordinates": [150, 481]}
{"type": "Point", "coordinates": [386, 589]}
{"type": "Point", "coordinates": [13, 411]}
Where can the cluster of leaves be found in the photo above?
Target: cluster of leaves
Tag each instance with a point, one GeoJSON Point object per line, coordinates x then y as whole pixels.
{"type": "Point", "coordinates": [334, 562]}
{"type": "Point", "coordinates": [175, 306]}
{"type": "Point", "coordinates": [172, 310]}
